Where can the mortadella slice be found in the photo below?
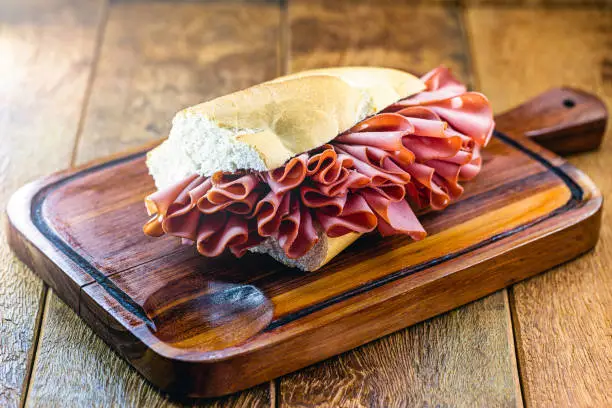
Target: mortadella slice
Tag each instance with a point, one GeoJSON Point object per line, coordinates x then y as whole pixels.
{"type": "Point", "coordinates": [410, 158]}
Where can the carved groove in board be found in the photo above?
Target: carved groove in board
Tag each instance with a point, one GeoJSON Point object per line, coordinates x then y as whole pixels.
{"type": "Point", "coordinates": [39, 221]}
{"type": "Point", "coordinates": [137, 310]}
{"type": "Point", "coordinates": [577, 193]}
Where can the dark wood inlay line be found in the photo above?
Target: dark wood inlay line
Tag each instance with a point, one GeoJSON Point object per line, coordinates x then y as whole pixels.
{"type": "Point", "coordinates": [39, 221]}
{"type": "Point", "coordinates": [575, 189]}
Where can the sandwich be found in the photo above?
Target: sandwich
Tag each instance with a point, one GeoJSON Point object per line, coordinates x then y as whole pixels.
{"type": "Point", "coordinates": [301, 166]}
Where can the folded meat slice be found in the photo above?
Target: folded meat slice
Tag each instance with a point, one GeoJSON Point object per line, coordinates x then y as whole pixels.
{"type": "Point", "coordinates": [233, 193]}
{"type": "Point", "coordinates": [233, 232]}
{"type": "Point", "coordinates": [410, 158]}
{"type": "Point", "coordinates": [381, 161]}
{"type": "Point", "coordinates": [332, 172]}
{"type": "Point", "coordinates": [390, 141]}
{"type": "Point", "coordinates": [161, 200]}
{"type": "Point", "coordinates": [431, 193]}
{"type": "Point", "coordinates": [356, 216]}
{"type": "Point", "coordinates": [402, 220]}
{"type": "Point", "coordinates": [440, 84]}
{"type": "Point", "coordinates": [296, 233]}
{"type": "Point", "coordinates": [207, 236]}
{"type": "Point", "coordinates": [394, 216]}
{"type": "Point", "coordinates": [289, 176]}
{"type": "Point", "coordinates": [467, 112]}
{"type": "Point", "coordinates": [314, 198]}
{"type": "Point", "coordinates": [270, 211]}
{"type": "Point", "coordinates": [349, 179]}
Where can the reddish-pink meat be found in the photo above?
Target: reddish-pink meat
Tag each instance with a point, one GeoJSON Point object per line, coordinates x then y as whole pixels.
{"type": "Point", "coordinates": [411, 157]}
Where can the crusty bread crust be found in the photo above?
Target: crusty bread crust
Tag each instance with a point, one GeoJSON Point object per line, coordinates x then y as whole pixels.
{"type": "Point", "coordinates": [296, 113]}
{"type": "Point", "coordinates": [323, 251]}
{"type": "Point", "coordinates": [383, 85]}
{"type": "Point", "coordinates": [262, 127]}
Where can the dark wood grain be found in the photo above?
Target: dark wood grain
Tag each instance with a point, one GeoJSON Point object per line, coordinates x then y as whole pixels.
{"type": "Point", "coordinates": [46, 54]}
{"type": "Point", "coordinates": [413, 36]}
{"type": "Point", "coordinates": [562, 318]}
{"type": "Point", "coordinates": [505, 229]}
{"type": "Point", "coordinates": [563, 120]}
{"type": "Point", "coordinates": [155, 58]}
{"type": "Point", "coordinates": [320, 36]}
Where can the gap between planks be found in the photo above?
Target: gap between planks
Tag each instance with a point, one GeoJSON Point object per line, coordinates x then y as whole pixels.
{"type": "Point", "coordinates": [514, 332]}
{"type": "Point", "coordinates": [508, 305]}
{"type": "Point", "coordinates": [92, 76]}
{"type": "Point", "coordinates": [34, 350]}
{"type": "Point", "coordinates": [284, 39]}
{"type": "Point", "coordinates": [282, 68]}
{"type": "Point", "coordinates": [42, 313]}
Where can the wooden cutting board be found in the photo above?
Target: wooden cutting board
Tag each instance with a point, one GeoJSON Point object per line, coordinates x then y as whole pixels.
{"type": "Point", "coordinates": [203, 327]}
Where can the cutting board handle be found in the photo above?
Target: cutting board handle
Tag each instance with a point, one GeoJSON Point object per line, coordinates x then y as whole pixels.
{"type": "Point", "coordinates": [563, 120]}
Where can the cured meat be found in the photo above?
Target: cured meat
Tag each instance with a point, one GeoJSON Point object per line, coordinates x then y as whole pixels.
{"type": "Point", "coordinates": [289, 176]}
{"type": "Point", "coordinates": [356, 216]}
{"type": "Point", "coordinates": [270, 211]}
{"type": "Point", "coordinates": [296, 233]}
{"type": "Point", "coordinates": [410, 158]}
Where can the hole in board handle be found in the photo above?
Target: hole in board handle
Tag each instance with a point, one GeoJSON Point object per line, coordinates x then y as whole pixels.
{"type": "Point", "coordinates": [569, 103]}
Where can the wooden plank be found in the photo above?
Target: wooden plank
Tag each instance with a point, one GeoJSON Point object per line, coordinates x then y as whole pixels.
{"type": "Point", "coordinates": [334, 33]}
{"type": "Point", "coordinates": [74, 367]}
{"type": "Point", "coordinates": [216, 331]}
{"type": "Point", "coordinates": [538, 3]}
{"type": "Point", "coordinates": [151, 69]}
{"type": "Point", "coordinates": [562, 318]}
{"type": "Point", "coordinates": [155, 59]}
{"type": "Point", "coordinates": [408, 369]}
{"type": "Point", "coordinates": [46, 55]}
{"type": "Point", "coordinates": [412, 367]}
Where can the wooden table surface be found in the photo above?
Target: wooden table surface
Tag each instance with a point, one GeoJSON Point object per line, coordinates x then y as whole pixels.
{"type": "Point", "coordinates": [80, 79]}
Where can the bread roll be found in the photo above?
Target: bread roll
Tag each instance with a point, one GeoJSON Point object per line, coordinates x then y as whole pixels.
{"type": "Point", "coordinates": [262, 127]}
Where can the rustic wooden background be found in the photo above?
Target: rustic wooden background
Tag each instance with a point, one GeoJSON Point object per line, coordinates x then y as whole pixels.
{"type": "Point", "coordinates": [80, 79]}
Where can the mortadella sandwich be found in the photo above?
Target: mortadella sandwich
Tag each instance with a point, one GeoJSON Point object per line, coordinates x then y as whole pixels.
{"type": "Point", "coordinates": [299, 167]}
